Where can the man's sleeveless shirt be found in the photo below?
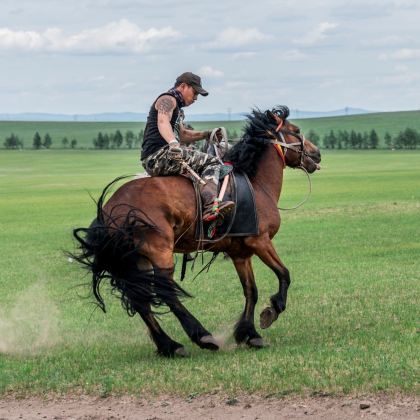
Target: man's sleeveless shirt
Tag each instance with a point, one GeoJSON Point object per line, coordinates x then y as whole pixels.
{"type": "Point", "coordinates": [153, 141]}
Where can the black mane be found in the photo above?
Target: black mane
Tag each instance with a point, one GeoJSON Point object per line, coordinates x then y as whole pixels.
{"type": "Point", "coordinates": [246, 155]}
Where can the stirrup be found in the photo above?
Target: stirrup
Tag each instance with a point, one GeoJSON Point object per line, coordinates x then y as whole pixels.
{"type": "Point", "coordinates": [226, 208]}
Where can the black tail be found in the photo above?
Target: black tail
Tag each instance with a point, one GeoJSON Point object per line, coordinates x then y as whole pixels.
{"type": "Point", "coordinates": [109, 249]}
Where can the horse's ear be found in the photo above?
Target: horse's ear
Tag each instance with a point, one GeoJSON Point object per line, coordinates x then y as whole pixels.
{"type": "Point", "coordinates": [282, 111]}
{"type": "Point", "coordinates": [278, 119]}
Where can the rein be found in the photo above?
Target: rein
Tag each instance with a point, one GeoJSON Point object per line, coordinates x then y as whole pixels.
{"type": "Point", "coordinates": [307, 195]}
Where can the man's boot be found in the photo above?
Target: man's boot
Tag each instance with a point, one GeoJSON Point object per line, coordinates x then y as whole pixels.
{"type": "Point", "coordinates": [212, 207]}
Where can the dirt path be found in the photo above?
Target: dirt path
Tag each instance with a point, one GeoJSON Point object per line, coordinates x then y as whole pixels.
{"type": "Point", "coordinates": [211, 407]}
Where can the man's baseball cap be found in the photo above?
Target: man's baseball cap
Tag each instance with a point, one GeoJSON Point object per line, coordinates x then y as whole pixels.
{"type": "Point", "coordinates": [192, 80]}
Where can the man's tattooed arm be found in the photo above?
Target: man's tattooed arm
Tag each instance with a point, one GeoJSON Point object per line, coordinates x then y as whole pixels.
{"type": "Point", "coordinates": [165, 106]}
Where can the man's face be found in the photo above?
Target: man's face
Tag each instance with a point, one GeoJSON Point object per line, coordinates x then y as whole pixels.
{"type": "Point", "coordinates": [188, 93]}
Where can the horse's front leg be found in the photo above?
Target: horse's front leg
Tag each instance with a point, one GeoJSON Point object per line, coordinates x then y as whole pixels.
{"type": "Point", "coordinates": [245, 328]}
{"type": "Point", "coordinates": [269, 256]}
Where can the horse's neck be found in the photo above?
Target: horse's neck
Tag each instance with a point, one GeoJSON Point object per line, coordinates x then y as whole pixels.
{"type": "Point", "coordinates": [269, 176]}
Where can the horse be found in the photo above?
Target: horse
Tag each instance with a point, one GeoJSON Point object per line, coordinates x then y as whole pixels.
{"type": "Point", "coordinates": [135, 234]}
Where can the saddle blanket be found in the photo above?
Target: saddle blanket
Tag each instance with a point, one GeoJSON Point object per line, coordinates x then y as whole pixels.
{"type": "Point", "coordinates": [245, 217]}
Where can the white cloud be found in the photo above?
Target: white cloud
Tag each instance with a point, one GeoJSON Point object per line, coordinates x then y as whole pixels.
{"type": "Point", "coordinates": [99, 78]}
{"type": "Point", "coordinates": [207, 71]}
{"type": "Point", "coordinates": [385, 41]}
{"type": "Point", "coordinates": [402, 54]}
{"type": "Point", "coordinates": [233, 84]}
{"type": "Point", "coordinates": [21, 40]}
{"type": "Point", "coordinates": [318, 34]}
{"type": "Point", "coordinates": [404, 4]}
{"type": "Point", "coordinates": [127, 86]}
{"type": "Point", "coordinates": [245, 55]}
{"type": "Point", "coordinates": [237, 38]}
{"type": "Point", "coordinates": [330, 83]}
{"type": "Point", "coordinates": [74, 68]}
{"type": "Point", "coordinates": [293, 55]}
{"type": "Point", "coordinates": [122, 36]}
{"type": "Point", "coordinates": [402, 75]}
{"type": "Point", "coordinates": [401, 68]}
{"type": "Point", "coordinates": [400, 78]}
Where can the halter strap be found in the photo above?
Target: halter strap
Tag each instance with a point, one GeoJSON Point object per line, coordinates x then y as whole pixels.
{"type": "Point", "coordinates": [282, 146]}
{"type": "Point", "coordinates": [280, 152]}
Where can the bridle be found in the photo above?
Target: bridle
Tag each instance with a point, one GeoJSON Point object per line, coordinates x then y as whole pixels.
{"type": "Point", "coordinates": [298, 147]}
{"type": "Point", "coordinates": [283, 146]}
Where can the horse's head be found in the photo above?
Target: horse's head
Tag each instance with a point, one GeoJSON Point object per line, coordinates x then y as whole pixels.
{"type": "Point", "coordinates": [295, 149]}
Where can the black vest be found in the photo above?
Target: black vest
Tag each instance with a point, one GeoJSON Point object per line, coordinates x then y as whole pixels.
{"type": "Point", "coordinates": [152, 140]}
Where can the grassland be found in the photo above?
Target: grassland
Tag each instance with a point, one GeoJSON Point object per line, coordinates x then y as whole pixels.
{"type": "Point", "coordinates": [350, 327]}
{"type": "Point", "coordinates": [84, 132]}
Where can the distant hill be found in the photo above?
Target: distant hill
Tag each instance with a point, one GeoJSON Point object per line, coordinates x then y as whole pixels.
{"type": "Point", "coordinates": [383, 122]}
{"type": "Point", "coordinates": [141, 116]}
{"type": "Point", "coordinates": [85, 132]}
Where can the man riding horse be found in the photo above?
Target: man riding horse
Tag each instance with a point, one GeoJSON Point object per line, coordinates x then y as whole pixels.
{"type": "Point", "coordinates": [162, 153]}
{"type": "Point", "coordinates": [132, 240]}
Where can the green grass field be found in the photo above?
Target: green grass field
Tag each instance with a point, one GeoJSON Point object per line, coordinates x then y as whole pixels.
{"type": "Point", "coordinates": [84, 132]}
{"type": "Point", "coordinates": [350, 327]}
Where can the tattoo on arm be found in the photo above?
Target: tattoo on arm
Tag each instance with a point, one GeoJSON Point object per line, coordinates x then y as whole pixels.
{"type": "Point", "coordinates": [165, 105]}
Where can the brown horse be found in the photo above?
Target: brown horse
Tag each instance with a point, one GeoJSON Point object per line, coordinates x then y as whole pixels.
{"type": "Point", "coordinates": [134, 237]}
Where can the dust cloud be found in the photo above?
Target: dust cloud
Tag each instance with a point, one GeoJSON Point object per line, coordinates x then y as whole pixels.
{"type": "Point", "coordinates": [30, 324]}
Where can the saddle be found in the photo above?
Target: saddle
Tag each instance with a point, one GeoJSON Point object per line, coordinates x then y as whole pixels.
{"type": "Point", "coordinates": [243, 221]}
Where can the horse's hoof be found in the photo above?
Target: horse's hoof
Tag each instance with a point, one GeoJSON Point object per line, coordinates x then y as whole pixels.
{"type": "Point", "coordinates": [208, 342]}
{"type": "Point", "coordinates": [181, 352]}
{"type": "Point", "coordinates": [256, 343]}
{"type": "Point", "coordinates": [267, 317]}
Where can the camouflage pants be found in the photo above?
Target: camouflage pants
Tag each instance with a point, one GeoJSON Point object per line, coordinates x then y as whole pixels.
{"type": "Point", "coordinates": [158, 164]}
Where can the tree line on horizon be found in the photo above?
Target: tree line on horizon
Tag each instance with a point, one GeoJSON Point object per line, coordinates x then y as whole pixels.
{"type": "Point", "coordinates": [117, 139]}
{"type": "Point", "coordinates": [342, 139]}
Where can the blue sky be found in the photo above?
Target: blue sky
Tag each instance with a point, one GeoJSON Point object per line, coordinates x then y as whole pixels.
{"type": "Point", "coordinates": [89, 56]}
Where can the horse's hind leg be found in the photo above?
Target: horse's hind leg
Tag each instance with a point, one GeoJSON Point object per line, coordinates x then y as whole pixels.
{"type": "Point", "coordinates": [165, 345]}
{"type": "Point", "coordinates": [269, 256]}
{"type": "Point", "coordinates": [245, 328]}
{"type": "Point", "coordinates": [159, 251]}
{"type": "Point", "coordinates": [193, 328]}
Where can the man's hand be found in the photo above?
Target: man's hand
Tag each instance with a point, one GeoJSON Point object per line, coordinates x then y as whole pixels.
{"type": "Point", "coordinates": [175, 151]}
